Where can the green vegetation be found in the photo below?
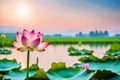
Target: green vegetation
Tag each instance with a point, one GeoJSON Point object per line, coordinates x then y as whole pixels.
{"type": "Point", "coordinates": [6, 65]}
{"type": "Point", "coordinates": [76, 40]}
{"type": "Point", "coordinates": [115, 46]}
{"type": "Point", "coordinates": [7, 42]}
{"type": "Point", "coordinates": [59, 71]}
{"type": "Point", "coordinates": [68, 40]}
{"type": "Point", "coordinates": [114, 50]}
{"type": "Point", "coordinates": [35, 74]}
{"type": "Point", "coordinates": [106, 68]}
{"type": "Point", "coordinates": [82, 53]}
{"type": "Point", "coordinates": [5, 51]}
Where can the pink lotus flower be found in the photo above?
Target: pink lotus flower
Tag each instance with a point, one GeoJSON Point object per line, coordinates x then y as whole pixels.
{"type": "Point", "coordinates": [30, 41]}
{"type": "Point", "coordinates": [85, 66]}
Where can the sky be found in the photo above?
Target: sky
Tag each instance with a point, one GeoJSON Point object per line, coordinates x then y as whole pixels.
{"type": "Point", "coordinates": [59, 16]}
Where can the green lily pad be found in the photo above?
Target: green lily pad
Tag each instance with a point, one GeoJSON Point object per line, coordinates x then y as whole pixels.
{"type": "Point", "coordinates": [77, 52]}
{"type": "Point", "coordinates": [6, 65]}
{"type": "Point", "coordinates": [56, 66]}
{"type": "Point", "coordinates": [70, 73]}
{"type": "Point", "coordinates": [21, 74]}
{"type": "Point", "coordinates": [105, 67]}
{"type": "Point", "coordinates": [108, 65]}
{"type": "Point", "coordinates": [5, 51]}
{"type": "Point", "coordinates": [115, 77]}
{"type": "Point", "coordinates": [1, 77]}
{"type": "Point", "coordinates": [40, 75]}
{"type": "Point", "coordinates": [94, 58]}
{"type": "Point", "coordinates": [113, 52]}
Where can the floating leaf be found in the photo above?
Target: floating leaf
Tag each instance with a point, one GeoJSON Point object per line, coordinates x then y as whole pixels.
{"type": "Point", "coordinates": [1, 77]}
{"type": "Point", "coordinates": [5, 51]}
{"type": "Point", "coordinates": [108, 65]}
{"type": "Point", "coordinates": [21, 74]}
{"type": "Point", "coordinates": [6, 65]}
{"type": "Point", "coordinates": [90, 58]}
{"type": "Point", "coordinates": [76, 52]}
{"type": "Point", "coordinates": [40, 75]}
{"type": "Point", "coordinates": [94, 58]}
{"type": "Point", "coordinates": [57, 66]}
{"type": "Point", "coordinates": [105, 67]}
{"type": "Point", "coordinates": [115, 77]}
{"type": "Point", "coordinates": [103, 74]}
{"type": "Point", "coordinates": [113, 52]}
{"type": "Point", "coordinates": [64, 73]}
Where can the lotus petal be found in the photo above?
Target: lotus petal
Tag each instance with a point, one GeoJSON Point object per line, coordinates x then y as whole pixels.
{"type": "Point", "coordinates": [25, 31]}
{"type": "Point", "coordinates": [18, 36]}
{"type": "Point", "coordinates": [17, 45]}
{"type": "Point", "coordinates": [42, 46]}
{"type": "Point", "coordinates": [22, 49]}
{"type": "Point", "coordinates": [25, 40]}
{"type": "Point", "coordinates": [30, 41]}
{"type": "Point", "coordinates": [35, 43]}
{"type": "Point", "coordinates": [85, 66]}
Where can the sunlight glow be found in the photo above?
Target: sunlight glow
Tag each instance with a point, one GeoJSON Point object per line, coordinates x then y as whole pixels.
{"type": "Point", "coordinates": [22, 10]}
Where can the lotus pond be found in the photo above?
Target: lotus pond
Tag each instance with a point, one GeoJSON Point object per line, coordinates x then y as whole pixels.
{"type": "Point", "coordinates": [54, 53]}
{"type": "Point", "coordinates": [103, 62]}
{"type": "Point", "coordinates": [57, 62]}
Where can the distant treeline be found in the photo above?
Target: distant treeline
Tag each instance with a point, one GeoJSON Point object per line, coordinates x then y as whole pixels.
{"type": "Point", "coordinates": [90, 34]}
{"type": "Point", "coordinates": [94, 34]}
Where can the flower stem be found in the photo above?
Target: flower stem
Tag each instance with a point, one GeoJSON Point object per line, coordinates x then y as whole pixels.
{"type": "Point", "coordinates": [2, 43]}
{"type": "Point", "coordinates": [37, 60]}
{"type": "Point", "coordinates": [28, 58]}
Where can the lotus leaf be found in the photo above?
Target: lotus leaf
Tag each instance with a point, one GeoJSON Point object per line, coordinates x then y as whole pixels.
{"type": "Point", "coordinates": [108, 67]}
{"type": "Point", "coordinates": [6, 65]}
{"type": "Point", "coordinates": [1, 77]}
{"type": "Point", "coordinates": [94, 58]}
{"type": "Point", "coordinates": [113, 52]}
{"type": "Point", "coordinates": [76, 52]}
{"type": "Point", "coordinates": [70, 73]}
{"type": "Point", "coordinates": [115, 77]}
{"type": "Point", "coordinates": [40, 75]}
{"type": "Point", "coordinates": [5, 51]}
{"type": "Point", "coordinates": [21, 74]}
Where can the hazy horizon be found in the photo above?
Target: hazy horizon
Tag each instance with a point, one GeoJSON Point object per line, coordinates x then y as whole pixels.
{"type": "Point", "coordinates": [13, 29]}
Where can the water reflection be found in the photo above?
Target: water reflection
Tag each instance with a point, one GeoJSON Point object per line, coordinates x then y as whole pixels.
{"type": "Point", "coordinates": [97, 45]}
{"type": "Point", "coordinates": [53, 53]}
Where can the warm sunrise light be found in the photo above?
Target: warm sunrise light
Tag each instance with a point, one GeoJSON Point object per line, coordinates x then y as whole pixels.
{"type": "Point", "coordinates": [22, 10]}
{"type": "Point", "coordinates": [66, 16]}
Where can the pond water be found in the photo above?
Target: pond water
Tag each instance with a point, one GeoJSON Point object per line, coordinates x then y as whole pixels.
{"type": "Point", "coordinates": [53, 53]}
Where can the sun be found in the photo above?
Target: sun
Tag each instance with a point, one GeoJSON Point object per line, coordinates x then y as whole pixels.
{"type": "Point", "coordinates": [22, 10]}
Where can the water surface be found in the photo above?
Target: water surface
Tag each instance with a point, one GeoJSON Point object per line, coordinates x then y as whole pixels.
{"type": "Point", "coordinates": [53, 53]}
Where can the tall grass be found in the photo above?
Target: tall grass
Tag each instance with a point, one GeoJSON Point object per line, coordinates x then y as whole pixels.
{"type": "Point", "coordinates": [67, 40]}
{"type": "Point", "coordinates": [76, 40]}
{"type": "Point", "coordinates": [7, 42]}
